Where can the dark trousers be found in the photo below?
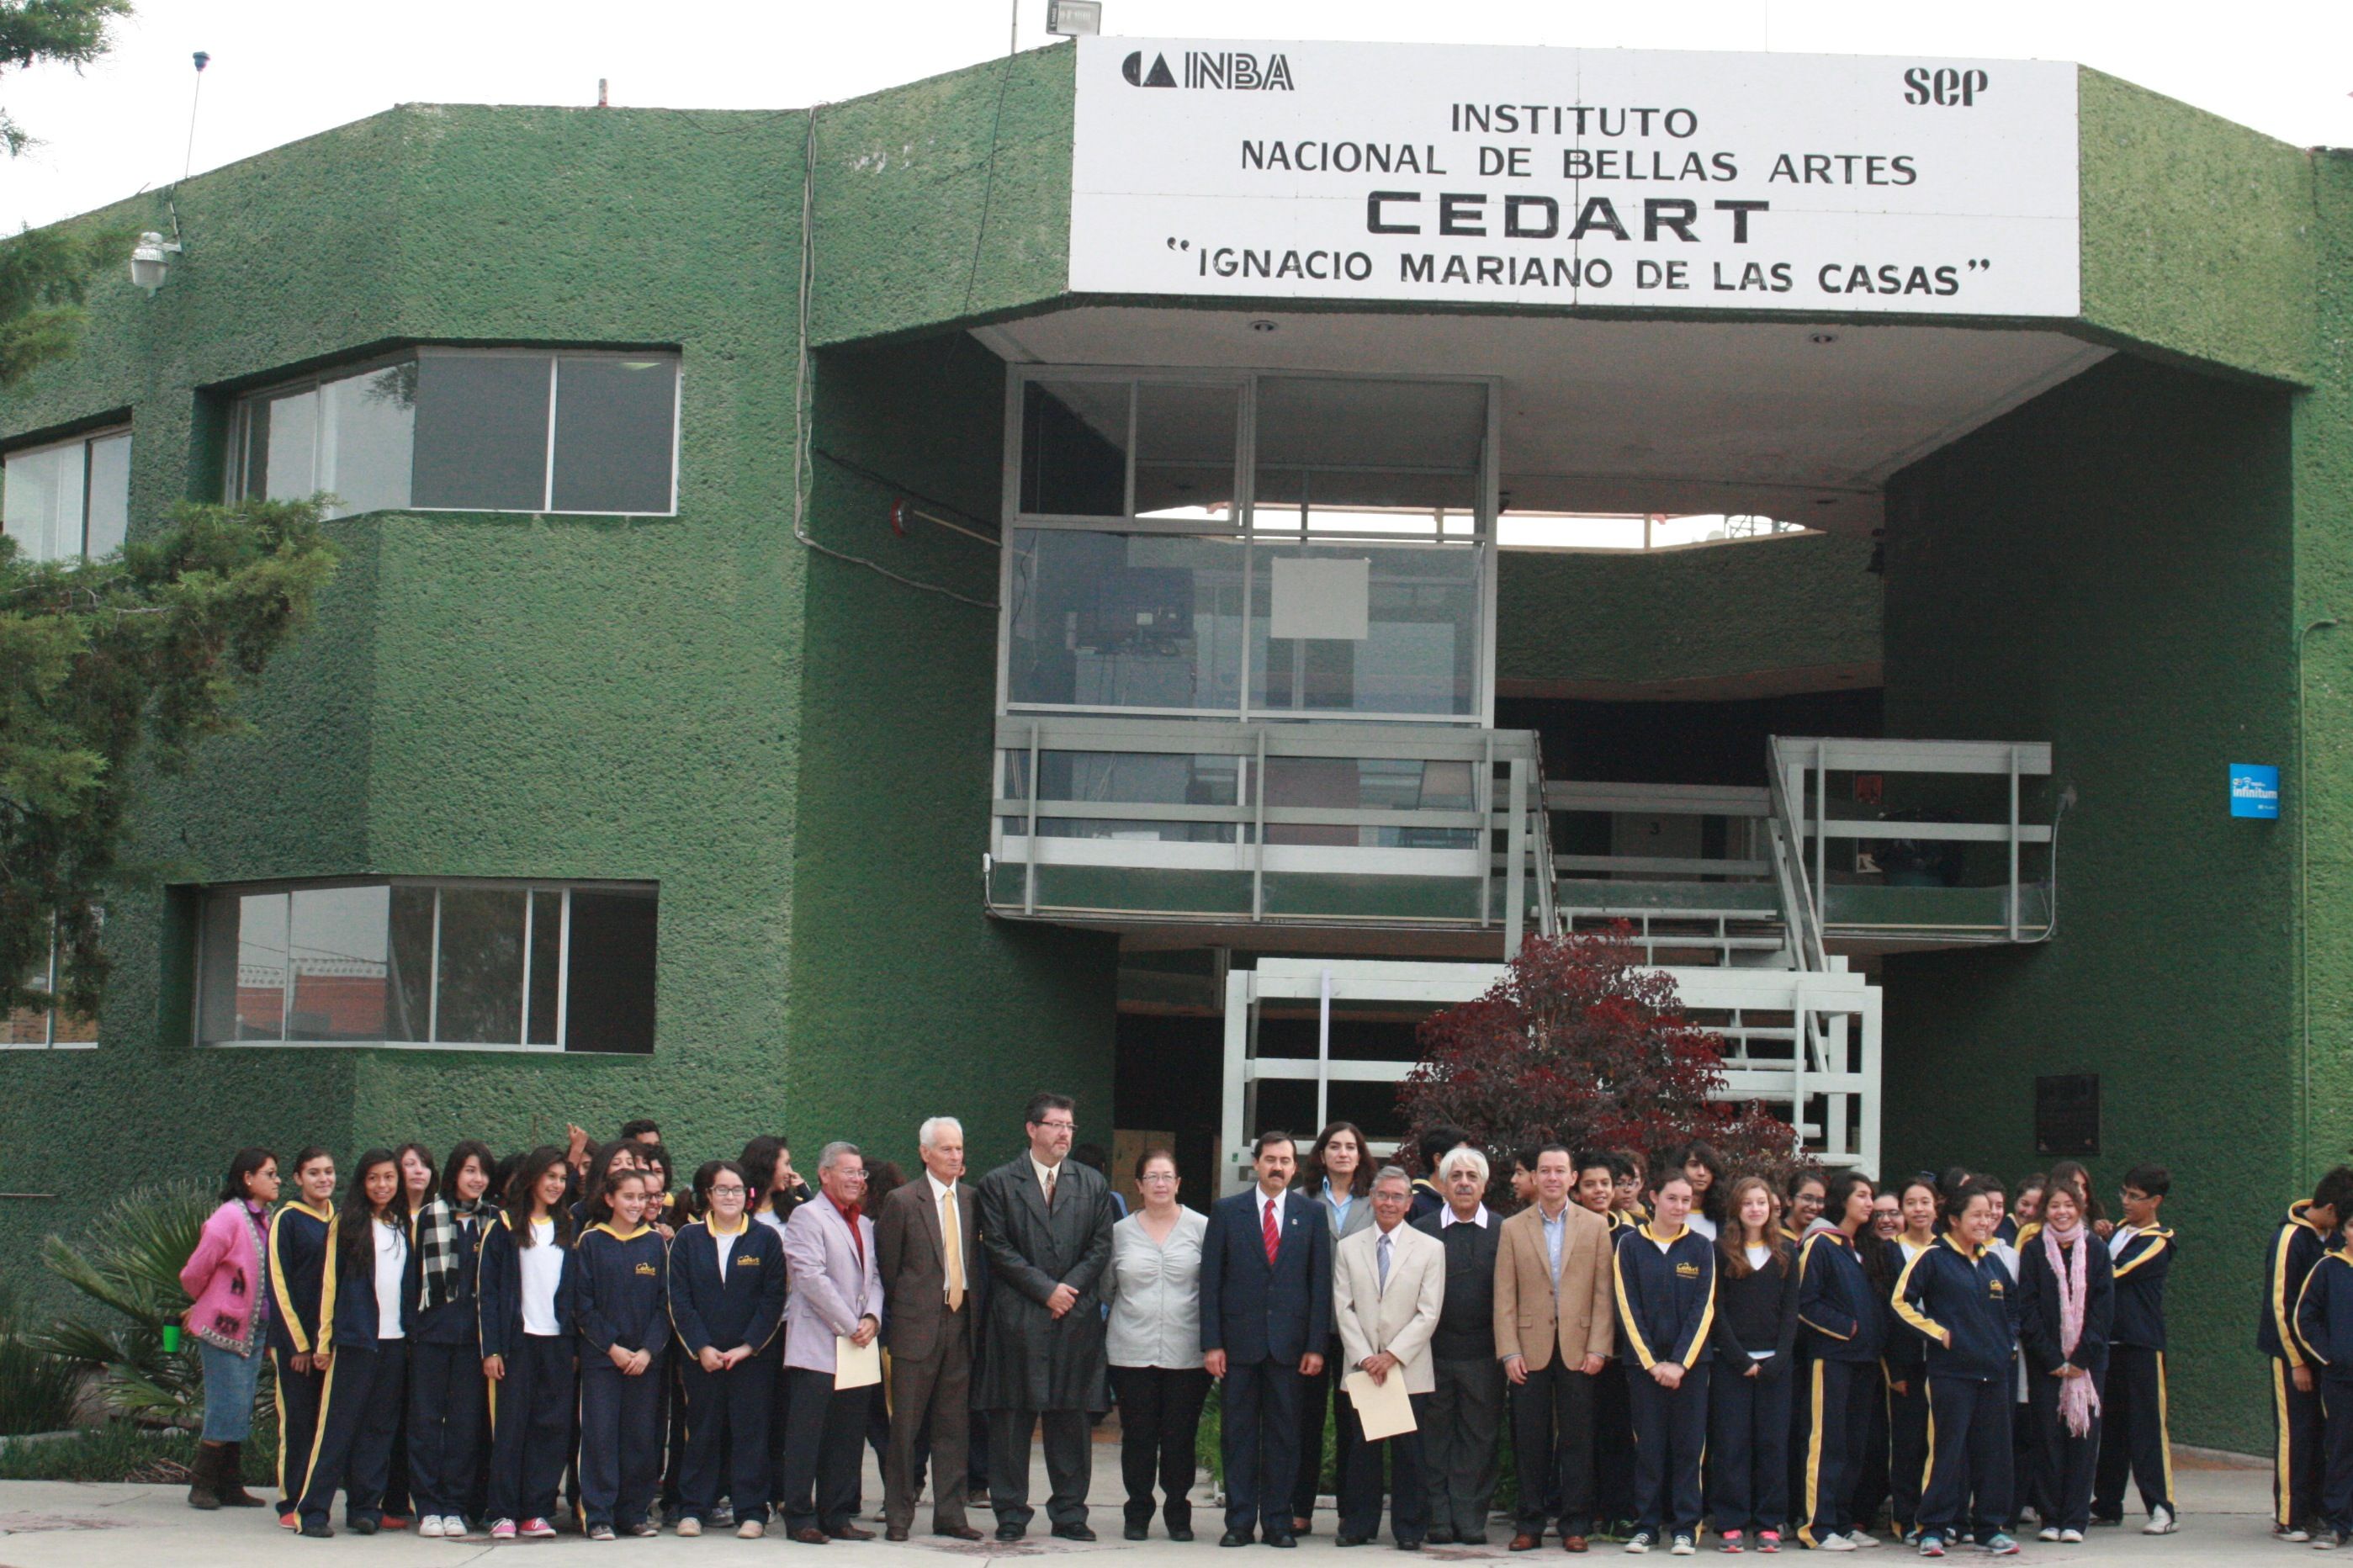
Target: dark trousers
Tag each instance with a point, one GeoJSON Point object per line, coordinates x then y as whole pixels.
{"type": "Point", "coordinates": [1360, 1483]}
{"type": "Point", "coordinates": [726, 1435]}
{"type": "Point", "coordinates": [1260, 1435]}
{"type": "Point", "coordinates": [1458, 1448]}
{"type": "Point", "coordinates": [930, 1398]}
{"type": "Point", "coordinates": [358, 1413]}
{"type": "Point", "coordinates": [1747, 1448]}
{"type": "Point", "coordinates": [824, 1450]}
{"type": "Point", "coordinates": [674, 1469]}
{"type": "Point", "coordinates": [1613, 1448]}
{"type": "Point", "coordinates": [1318, 1396]}
{"type": "Point", "coordinates": [447, 1398]}
{"type": "Point", "coordinates": [1839, 1396]}
{"type": "Point", "coordinates": [1801, 1432]}
{"type": "Point", "coordinates": [1867, 1461]}
{"type": "Point", "coordinates": [2030, 1484]}
{"type": "Point", "coordinates": [2134, 1439]}
{"type": "Point", "coordinates": [398, 1502]}
{"type": "Point", "coordinates": [1069, 1465]}
{"type": "Point", "coordinates": [298, 1427]}
{"type": "Point", "coordinates": [1670, 1434]}
{"type": "Point", "coordinates": [1159, 1423]}
{"type": "Point", "coordinates": [2337, 1444]}
{"type": "Point", "coordinates": [530, 1427]}
{"type": "Point", "coordinates": [621, 1439]}
{"type": "Point", "coordinates": [1907, 1448]}
{"type": "Point", "coordinates": [1552, 1438]}
{"type": "Point", "coordinates": [1968, 1457]}
{"type": "Point", "coordinates": [2065, 1461]}
{"type": "Point", "coordinates": [2296, 1426]}
{"type": "Point", "coordinates": [780, 1424]}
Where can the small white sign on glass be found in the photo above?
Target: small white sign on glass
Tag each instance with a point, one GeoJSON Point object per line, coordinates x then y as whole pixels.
{"type": "Point", "coordinates": [1318, 597]}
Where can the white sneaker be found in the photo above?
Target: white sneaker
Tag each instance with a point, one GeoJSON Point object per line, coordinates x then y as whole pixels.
{"type": "Point", "coordinates": [1640, 1544]}
{"type": "Point", "coordinates": [2160, 1522]}
{"type": "Point", "coordinates": [2048, 1533]}
{"type": "Point", "coordinates": [749, 1530]}
{"type": "Point", "coordinates": [1861, 1541]}
{"type": "Point", "coordinates": [2298, 1536]}
{"type": "Point", "coordinates": [2071, 1537]}
{"type": "Point", "coordinates": [429, 1526]}
{"type": "Point", "coordinates": [689, 1526]}
{"type": "Point", "coordinates": [1683, 1547]}
{"type": "Point", "coordinates": [1836, 1544]}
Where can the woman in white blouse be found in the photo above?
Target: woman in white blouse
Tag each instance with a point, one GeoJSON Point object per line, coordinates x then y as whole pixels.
{"type": "Point", "coordinates": [1155, 1290]}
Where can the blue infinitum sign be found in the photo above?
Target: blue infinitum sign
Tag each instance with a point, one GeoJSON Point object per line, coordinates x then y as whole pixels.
{"type": "Point", "coordinates": [2255, 790]}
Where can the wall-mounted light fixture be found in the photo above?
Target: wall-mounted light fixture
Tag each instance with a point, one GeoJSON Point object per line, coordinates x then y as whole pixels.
{"type": "Point", "coordinates": [151, 260]}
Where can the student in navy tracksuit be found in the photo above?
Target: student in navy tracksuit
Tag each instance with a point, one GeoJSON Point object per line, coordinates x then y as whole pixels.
{"type": "Point", "coordinates": [2324, 1330]}
{"type": "Point", "coordinates": [1665, 1279]}
{"type": "Point", "coordinates": [726, 1299]}
{"type": "Point", "coordinates": [621, 1304]}
{"type": "Point", "coordinates": [298, 1275]}
{"type": "Point", "coordinates": [2133, 1433]}
{"type": "Point", "coordinates": [1756, 1336]}
{"type": "Point", "coordinates": [2064, 1271]}
{"type": "Point", "coordinates": [366, 1346]}
{"type": "Point", "coordinates": [524, 1294]}
{"type": "Point", "coordinates": [2307, 1234]}
{"type": "Point", "coordinates": [1266, 1317]}
{"type": "Point", "coordinates": [448, 1398]}
{"type": "Point", "coordinates": [1960, 1299]}
{"type": "Point", "coordinates": [1841, 1323]}
{"type": "Point", "coordinates": [1905, 1360]}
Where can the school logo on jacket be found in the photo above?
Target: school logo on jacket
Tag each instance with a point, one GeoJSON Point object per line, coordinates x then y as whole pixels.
{"type": "Point", "coordinates": [647, 1269]}
{"type": "Point", "coordinates": [1687, 1271]}
{"type": "Point", "coordinates": [749, 1261]}
{"type": "Point", "coordinates": [1993, 1286]}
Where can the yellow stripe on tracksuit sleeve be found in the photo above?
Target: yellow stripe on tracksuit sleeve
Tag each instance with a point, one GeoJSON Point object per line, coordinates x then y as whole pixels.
{"type": "Point", "coordinates": [285, 1298]}
{"type": "Point", "coordinates": [2282, 1314]}
{"type": "Point", "coordinates": [1906, 1309]}
{"type": "Point", "coordinates": [1804, 1253]}
{"type": "Point", "coordinates": [1707, 1321]}
{"type": "Point", "coordinates": [2297, 1317]}
{"type": "Point", "coordinates": [1626, 1311]}
{"type": "Point", "coordinates": [327, 1272]}
{"type": "Point", "coordinates": [2146, 1253]}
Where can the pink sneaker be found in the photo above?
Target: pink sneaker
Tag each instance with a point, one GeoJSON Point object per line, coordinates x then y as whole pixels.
{"type": "Point", "coordinates": [537, 1530]}
{"type": "Point", "coordinates": [1768, 1540]}
{"type": "Point", "coordinates": [1733, 1542]}
{"type": "Point", "coordinates": [502, 1529]}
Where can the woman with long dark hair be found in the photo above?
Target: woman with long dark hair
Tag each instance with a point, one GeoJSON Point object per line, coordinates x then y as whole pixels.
{"type": "Point", "coordinates": [228, 1317]}
{"type": "Point", "coordinates": [1840, 1318]}
{"type": "Point", "coordinates": [2068, 1296]}
{"type": "Point", "coordinates": [366, 1352]}
{"type": "Point", "coordinates": [621, 1298]}
{"type": "Point", "coordinates": [1336, 1178]}
{"type": "Point", "coordinates": [1703, 1167]}
{"type": "Point", "coordinates": [298, 1277]}
{"type": "Point", "coordinates": [1757, 1335]}
{"type": "Point", "coordinates": [726, 1300]}
{"type": "Point", "coordinates": [447, 1394]}
{"type": "Point", "coordinates": [527, 1288]}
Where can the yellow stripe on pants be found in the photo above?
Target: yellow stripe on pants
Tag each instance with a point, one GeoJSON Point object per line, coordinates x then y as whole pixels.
{"type": "Point", "coordinates": [1814, 1463]}
{"type": "Point", "coordinates": [2165, 1436]}
{"type": "Point", "coordinates": [319, 1433]}
{"type": "Point", "coordinates": [2282, 1485]}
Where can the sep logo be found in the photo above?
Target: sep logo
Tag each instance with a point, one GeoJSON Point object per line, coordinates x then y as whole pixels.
{"type": "Point", "coordinates": [1230, 69]}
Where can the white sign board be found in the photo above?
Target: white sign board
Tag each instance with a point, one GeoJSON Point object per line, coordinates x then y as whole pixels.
{"type": "Point", "coordinates": [1648, 180]}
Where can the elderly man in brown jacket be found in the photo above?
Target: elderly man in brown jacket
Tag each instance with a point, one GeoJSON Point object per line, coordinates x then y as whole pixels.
{"type": "Point", "coordinates": [1554, 1331]}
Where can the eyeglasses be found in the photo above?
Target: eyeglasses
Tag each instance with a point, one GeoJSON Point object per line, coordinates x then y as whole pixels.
{"type": "Point", "coordinates": [1157, 1176]}
{"type": "Point", "coordinates": [729, 1192]}
{"type": "Point", "coordinates": [1060, 1126]}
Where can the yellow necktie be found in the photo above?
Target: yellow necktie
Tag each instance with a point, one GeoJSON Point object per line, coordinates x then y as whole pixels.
{"type": "Point", "coordinates": [952, 1236]}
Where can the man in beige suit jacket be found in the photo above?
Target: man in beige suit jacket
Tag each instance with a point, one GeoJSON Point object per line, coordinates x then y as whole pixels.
{"type": "Point", "coordinates": [1389, 1286]}
{"type": "Point", "coordinates": [1554, 1331]}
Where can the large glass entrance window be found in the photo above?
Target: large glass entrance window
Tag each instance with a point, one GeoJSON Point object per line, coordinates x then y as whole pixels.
{"type": "Point", "coordinates": [1243, 546]}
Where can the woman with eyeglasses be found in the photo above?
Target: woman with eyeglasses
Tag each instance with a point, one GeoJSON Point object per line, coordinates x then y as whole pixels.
{"type": "Point", "coordinates": [1153, 1286]}
{"type": "Point", "coordinates": [726, 1298]}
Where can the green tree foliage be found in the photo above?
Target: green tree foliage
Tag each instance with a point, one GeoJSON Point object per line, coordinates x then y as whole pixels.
{"type": "Point", "coordinates": [43, 273]}
{"type": "Point", "coordinates": [59, 32]}
{"type": "Point", "coordinates": [127, 1264]}
{"type": "Point", "coordinates": [134, 658]}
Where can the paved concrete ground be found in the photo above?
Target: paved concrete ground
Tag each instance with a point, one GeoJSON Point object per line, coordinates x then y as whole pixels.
{"type": "Point", "coordinates": [45, 1524]}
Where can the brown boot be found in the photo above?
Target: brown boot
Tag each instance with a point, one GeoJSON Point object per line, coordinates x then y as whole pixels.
{"type": "Point", "coordinates": [229, 1484]}
{"type": "Point", "coordinates": [204, 1482]}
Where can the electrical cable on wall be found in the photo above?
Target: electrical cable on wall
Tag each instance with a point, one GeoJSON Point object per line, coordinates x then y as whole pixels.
{"type": "Point", "coordinates": [804, 457]}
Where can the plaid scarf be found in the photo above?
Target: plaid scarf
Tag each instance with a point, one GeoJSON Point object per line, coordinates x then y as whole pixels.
{"type": "Point", "coordinates": [439, 1241]}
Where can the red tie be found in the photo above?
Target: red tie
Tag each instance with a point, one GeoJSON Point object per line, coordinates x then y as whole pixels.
{"type": "Point", "coordinates": [1274, 1236]}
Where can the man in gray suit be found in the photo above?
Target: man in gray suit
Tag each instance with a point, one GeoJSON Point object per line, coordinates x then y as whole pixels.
{"type": "Point", "coordinates": [837, 1293]}
{"type": "Point", "coordinates": [1045, 1225]}
{"type": "Point", "coordinates": [929, 1233]}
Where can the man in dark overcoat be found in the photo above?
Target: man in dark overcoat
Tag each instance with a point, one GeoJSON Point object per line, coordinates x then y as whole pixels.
{"type": "Point", "coordinates": [1045, 1227]}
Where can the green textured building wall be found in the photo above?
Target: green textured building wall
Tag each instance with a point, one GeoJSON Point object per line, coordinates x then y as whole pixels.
{"type": "Point", "coordinates": [2107, 568]}
{"type": "Point", "coordinates": [1777, 614]}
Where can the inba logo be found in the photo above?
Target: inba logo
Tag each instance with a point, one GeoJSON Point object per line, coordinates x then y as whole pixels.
{"type": "Point", "coordinates": [1226, 69]}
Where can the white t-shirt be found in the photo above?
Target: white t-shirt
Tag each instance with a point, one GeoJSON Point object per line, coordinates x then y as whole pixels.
{"type": "Point", "coordinates": [1757, 1256]}
{"type": "Point", "coordinates": [542, 1274]}
{"type": "Point", "coordinates": [391, 1265]}
{"type": "Point", "coordinates": [1701, 1223]}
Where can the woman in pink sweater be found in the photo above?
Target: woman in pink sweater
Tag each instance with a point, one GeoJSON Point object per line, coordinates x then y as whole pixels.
{"type": "Point", "coordinates": [226, 1278]}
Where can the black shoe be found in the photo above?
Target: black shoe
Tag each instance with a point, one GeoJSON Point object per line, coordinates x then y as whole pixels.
{"type": "Point", "coordinates": [1284, 1538]}
{"type": "Point", "coordinates": [321, 1530]}
{"type": "Point", "coordinates": [1074, 1532]}
{"type": "Point", "coordinates": [1011, 1531]}
{"type": "Point", "coordinates": [1234, 1538]}
{"type": "Point", "coordinates": [1350, 1539]}
{"type": "Point", "coordinates": [362, 1526]}
{"type": "Point", "coordinates": [1409, 1546]}
{"type": "Point", "coordinates": [1180, 1532]}
{"type": "Point", "coordinates": [1137, 1532]}
{"type": "Point", "coordinates": [1439, 1538]}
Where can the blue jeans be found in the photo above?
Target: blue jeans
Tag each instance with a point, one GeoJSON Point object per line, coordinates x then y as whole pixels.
{"type": "Point", "coordinates": [229, 1380]}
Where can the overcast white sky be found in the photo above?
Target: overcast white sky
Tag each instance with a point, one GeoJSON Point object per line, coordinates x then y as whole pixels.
{"type": "Point", "coordinates": [284, 68]}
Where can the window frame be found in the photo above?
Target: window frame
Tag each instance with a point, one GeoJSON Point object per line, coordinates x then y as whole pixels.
{"type": "Point", "coordinates": [85, 439]}
{"type": "Point", "coordinates": [233, 471]}
{"type": "Point", "coordinates": [526, 885]}
{"type": "Point", "coordinates": [49, 1040]}
{"type": "Point", "coordinates": [1242, 530]}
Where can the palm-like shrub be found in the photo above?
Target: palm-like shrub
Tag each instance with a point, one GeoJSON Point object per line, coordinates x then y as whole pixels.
{"type": "Point", "coordinates": [130, 1267]}
{"type": "Point", "coordinates": [37, 1390]}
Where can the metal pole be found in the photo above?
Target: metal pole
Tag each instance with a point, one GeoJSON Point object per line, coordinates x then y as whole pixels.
{"type": "Point", "coordinates": [2013, 843]}
{"type": "Point", "coordinates": [1029, 838]}
{"type": "Point", "coordinates": [1324, 1055]}
{"type": "Point", "coordinates": [1257, 870]}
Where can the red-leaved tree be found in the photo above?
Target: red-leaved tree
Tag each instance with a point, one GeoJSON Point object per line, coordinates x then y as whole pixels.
{"type": "Point", "coordinates": [1578, 1044]}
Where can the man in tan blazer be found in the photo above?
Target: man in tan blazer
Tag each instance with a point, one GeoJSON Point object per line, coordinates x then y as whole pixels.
{"type": "Point", "coordinates": [1389, 1286]}
{"type": "Point", "coordinates": [926, 1240]}
{"type": "Point", "coordinates": [1554, 1332]}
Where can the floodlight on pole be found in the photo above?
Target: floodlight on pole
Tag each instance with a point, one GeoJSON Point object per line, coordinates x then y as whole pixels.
{"type": "Point", "coordinates": [1074, 18]}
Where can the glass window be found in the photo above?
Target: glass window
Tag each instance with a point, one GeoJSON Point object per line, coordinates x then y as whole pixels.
{"type": "Point", "coordinates": [1368, 456]}
{"type": "Point", "coordinates": [481, 432]}
{"type": "Point", "coordinates": [1126, 620]}
{"type": "Point", "coordinates": [614, 431]}
{"type": "Point", "coordinates": [70, 500]}
{"type": "Point", "coordinates": [1075, 448]}
{"type": "Point", "coordinates": [30, 1028]}
{"type": "Point", "coordinates": [1155, 778]}
{"type": "Point", "coordinates": [471, 431]}
{"type": "Point", "coordinates": [453, 963]}
{"type": "Point", "coordinates": [1388, 630]}
{"type": "Point", "coordinates": [1185, 451]}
